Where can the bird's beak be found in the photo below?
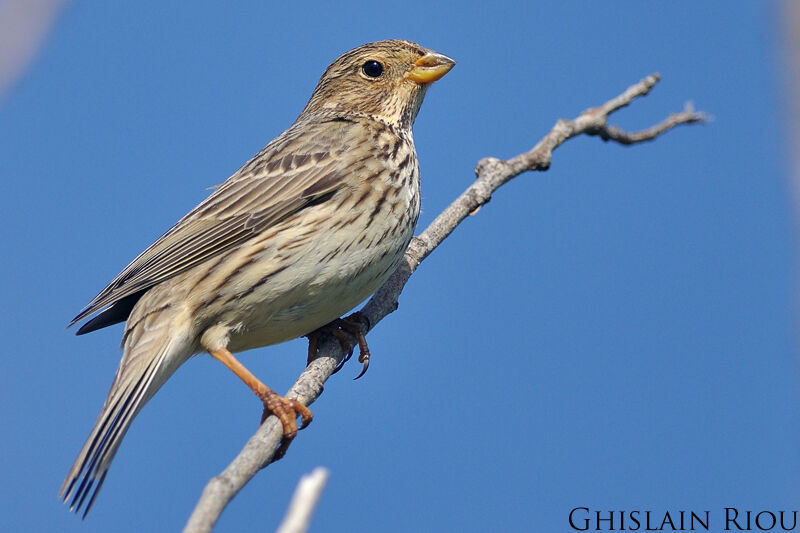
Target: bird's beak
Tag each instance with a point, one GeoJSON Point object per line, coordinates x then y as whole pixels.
{"type": "Point", "coordinates": [430, 67]}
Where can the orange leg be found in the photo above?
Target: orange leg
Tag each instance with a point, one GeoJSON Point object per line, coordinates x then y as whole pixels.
{"type": "Point", "coordinates": [285, 409]}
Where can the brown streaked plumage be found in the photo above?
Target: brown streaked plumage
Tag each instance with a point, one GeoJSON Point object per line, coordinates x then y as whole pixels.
{"type": "Point", "coordinates": [305, 230]}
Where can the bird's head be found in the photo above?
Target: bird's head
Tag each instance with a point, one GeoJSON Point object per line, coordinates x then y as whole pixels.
{"type": "Point", "coordinates": [385, 80]}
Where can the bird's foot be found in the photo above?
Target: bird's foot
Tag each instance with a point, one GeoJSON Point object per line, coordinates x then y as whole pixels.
{"type": "Point", "coordinates": [287, 410]}
{"type": "Point", "coordinates": [345, 330]}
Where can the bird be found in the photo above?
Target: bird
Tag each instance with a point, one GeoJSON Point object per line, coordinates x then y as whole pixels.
{"type": "Point", "coordinates": [305, 230]}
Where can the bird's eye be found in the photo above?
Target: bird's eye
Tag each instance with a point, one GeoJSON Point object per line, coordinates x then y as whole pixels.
{"type": "Point", "coordinates": [372, 68]}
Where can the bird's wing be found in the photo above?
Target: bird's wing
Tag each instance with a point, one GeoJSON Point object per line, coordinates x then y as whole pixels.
{"type": "Point", "coordinates": [295, 171]}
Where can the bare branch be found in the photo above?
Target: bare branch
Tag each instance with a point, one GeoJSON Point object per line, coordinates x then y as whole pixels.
{"type": "Point", "coordinates": [491, 174]}
{"type": "Point", "coordinates": [613, 133]}
{"type": "Point", "coordinates": [304, 501]}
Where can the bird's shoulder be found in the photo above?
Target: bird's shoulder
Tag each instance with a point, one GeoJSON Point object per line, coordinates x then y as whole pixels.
{"type": "Point", "coordinates": [300, 168]}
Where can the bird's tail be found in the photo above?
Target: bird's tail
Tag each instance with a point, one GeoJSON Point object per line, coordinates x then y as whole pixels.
{"type": "Point", "coordinates": [150, 357]}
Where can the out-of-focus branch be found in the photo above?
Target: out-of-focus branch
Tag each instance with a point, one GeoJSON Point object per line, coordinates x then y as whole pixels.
{"type": "Point", "coordinates": [304, 501]}
{"type": "Point", "coordinates": [491, 174]}
{"type": "Point", "coordinates": [24, 24]}
{"type": "Point", "coordinates": [790, 26]}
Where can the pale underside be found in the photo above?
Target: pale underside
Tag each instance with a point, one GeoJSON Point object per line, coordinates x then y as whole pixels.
{"type": "Point", "coordinates": [305, 269]}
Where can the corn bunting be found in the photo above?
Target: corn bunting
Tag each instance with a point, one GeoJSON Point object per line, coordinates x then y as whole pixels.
{"type": "Point", "coordinates": [304, 231]}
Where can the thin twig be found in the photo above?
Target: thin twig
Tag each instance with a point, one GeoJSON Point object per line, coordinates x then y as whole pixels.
{"type": "Point", "coordinates": [491, 174]}
{"type": "Point", "coordinates": [304, 501]}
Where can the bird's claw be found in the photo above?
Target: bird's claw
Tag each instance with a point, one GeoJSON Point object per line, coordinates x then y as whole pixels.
{"type": "Point", "coordinates": [364, 360]}
{"type": "Point", "coordinates": [345, 359]}
{"type": "Point", "coordinates": [287, 410]}
{"type": "Point", "coordinates": [344, 329]}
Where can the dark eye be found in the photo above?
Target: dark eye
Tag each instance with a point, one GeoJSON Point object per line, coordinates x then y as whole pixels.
{"type": "Point", "coordinates": [372, 68]}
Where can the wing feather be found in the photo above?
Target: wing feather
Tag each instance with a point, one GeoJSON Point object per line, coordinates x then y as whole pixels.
{"type": "Point", "coordinates": [294, 171]}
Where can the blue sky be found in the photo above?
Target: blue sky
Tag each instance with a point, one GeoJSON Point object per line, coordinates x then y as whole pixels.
{"type": "Point", "coordinates": [615, 333]}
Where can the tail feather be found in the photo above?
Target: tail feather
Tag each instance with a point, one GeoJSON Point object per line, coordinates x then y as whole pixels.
{"type": "Point", "coordinates": [140, 375]}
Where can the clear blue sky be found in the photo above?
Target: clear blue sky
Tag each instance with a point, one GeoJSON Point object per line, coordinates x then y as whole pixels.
{"type": "Point", "coordinates": [617, 332]}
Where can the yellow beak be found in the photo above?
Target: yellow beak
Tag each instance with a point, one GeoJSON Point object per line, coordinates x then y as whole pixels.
{"type": "Point", "coordinates": [430, 68]}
